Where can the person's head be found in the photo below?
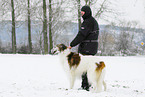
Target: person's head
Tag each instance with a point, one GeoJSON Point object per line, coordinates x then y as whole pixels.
{"type": "Point", "coordinates": [86, 12]}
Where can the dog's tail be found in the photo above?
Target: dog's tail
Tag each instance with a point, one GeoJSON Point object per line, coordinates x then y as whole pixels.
{"type": "Point", "coordinates": [101, 75]}
{"type": "Point", "coordinates": [100, 66]}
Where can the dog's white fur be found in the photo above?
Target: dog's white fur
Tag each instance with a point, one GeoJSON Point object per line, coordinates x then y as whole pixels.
{"type": "Point", "coordinates": [87, 64]}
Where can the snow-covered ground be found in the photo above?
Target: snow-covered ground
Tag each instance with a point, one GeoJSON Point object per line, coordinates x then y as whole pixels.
{"type": "Point", "coordinates": [43, 76]}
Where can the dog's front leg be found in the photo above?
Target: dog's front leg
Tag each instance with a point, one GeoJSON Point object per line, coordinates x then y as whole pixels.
{"type": "Point", "coordinates": [72, 79]}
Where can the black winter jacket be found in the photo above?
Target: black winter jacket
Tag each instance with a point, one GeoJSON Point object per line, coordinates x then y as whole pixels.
{"type": "Point", "coordinates": [87, 37]}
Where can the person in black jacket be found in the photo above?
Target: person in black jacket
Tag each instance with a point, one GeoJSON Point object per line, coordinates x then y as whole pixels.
{"type": "Point", "coordinates": [87, 38]}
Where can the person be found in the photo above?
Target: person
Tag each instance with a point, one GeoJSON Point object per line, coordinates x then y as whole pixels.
{"type": "Point", "coordinates": [87, 38]}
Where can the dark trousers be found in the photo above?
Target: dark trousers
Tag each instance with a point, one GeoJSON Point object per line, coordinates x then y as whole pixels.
{"type": "Point", "coordinates": [85, 84]}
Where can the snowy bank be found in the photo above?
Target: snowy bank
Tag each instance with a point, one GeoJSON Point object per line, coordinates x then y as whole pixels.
{"type": "Point", "coordinates": [43, 76]}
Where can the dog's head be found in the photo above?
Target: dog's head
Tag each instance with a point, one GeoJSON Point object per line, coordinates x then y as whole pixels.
{"type": "Point", "coordinates": [59, 48]}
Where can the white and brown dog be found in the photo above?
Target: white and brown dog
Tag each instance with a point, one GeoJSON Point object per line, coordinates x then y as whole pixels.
{"type": "Point", "coordinates": [76, 64]}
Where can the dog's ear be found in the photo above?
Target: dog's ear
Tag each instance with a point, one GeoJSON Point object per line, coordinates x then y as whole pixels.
{"type": "Point", "coordinates": [61, 47]}
{"type": "Point", "coordinates": [97, 64]}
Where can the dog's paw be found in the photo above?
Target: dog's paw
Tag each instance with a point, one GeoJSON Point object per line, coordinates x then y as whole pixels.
{"type": "Point", "coordinates": [63, 89]}
{"type": "Point", "coordinates": [98, 91]}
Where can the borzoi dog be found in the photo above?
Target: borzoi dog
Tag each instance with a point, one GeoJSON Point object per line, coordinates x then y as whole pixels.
{"type": "Point", "coordinates": [76, 64]}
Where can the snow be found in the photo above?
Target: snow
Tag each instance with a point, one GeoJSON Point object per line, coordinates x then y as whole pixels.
{"type": "Point", "coordinates": [43, 76]}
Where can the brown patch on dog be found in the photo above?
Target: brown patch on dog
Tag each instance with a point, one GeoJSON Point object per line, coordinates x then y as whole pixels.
{"type": "Point", "coordinates": [100, 66]}
{"type": "Point", "coordinates": [73, 59]}
{"type": "Point", "coordinates": [61, 47]}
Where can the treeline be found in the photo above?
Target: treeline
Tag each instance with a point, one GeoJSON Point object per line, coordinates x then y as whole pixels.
{"type": "Point", "coordinates": [113, 40]}
{"type": "Point", "coordinates": [125, 40]}
{"type": "Point", "coordinates": [49, 12]}
{"type": "Point", "coordinates": [54, 16]}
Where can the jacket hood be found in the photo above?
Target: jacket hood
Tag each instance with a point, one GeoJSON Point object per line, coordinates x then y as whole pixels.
{"type": "Point", "coordinates": [88, 12]}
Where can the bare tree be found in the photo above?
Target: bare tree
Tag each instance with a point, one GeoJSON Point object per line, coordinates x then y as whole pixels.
{"type": "Point", "coordinates": [29, 28]}
{"type": "Point", "coordinates": [107, 41]}
{"type": "Point", "coordinates": [102, 9]}
{"type": "Point", "coordinates": [79, 14]}
{"type": "Point", "coordinates": [90, 2]}
{"type": "Point", "coordinates": [55, 14]}
{"type": "Point", "coordinates": [126, 42]}
{"type": "Point", "coordinates": [45, 27]}
{"type": "Point", "coordinates": [50, 26]}
{"type": "Point", "coordinates": [13, 28]}
{"type": "Point", "coordinates": [56, 25]}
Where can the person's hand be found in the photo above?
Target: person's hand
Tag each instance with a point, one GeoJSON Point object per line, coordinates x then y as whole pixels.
{"type": "Point", "coordinates": [69, 47]}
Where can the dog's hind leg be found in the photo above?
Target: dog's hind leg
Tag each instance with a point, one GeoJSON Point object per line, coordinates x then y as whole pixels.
{"type": "Point", "coordinates": [105, 86]}
{"type": "Point", "coordinates": [99, 86]}
{"type": "Point", "coordinates": [72, 79]}
{"type": "Point", "coordinates": [100, 83]}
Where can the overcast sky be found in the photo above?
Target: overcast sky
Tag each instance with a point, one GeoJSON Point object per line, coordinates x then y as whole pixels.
{"type": "Point", "coordinates": [133, 10]}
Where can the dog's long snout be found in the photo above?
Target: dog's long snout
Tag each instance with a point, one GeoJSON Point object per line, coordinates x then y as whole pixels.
{"type": "Point", "coordinates": [53, 51]}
